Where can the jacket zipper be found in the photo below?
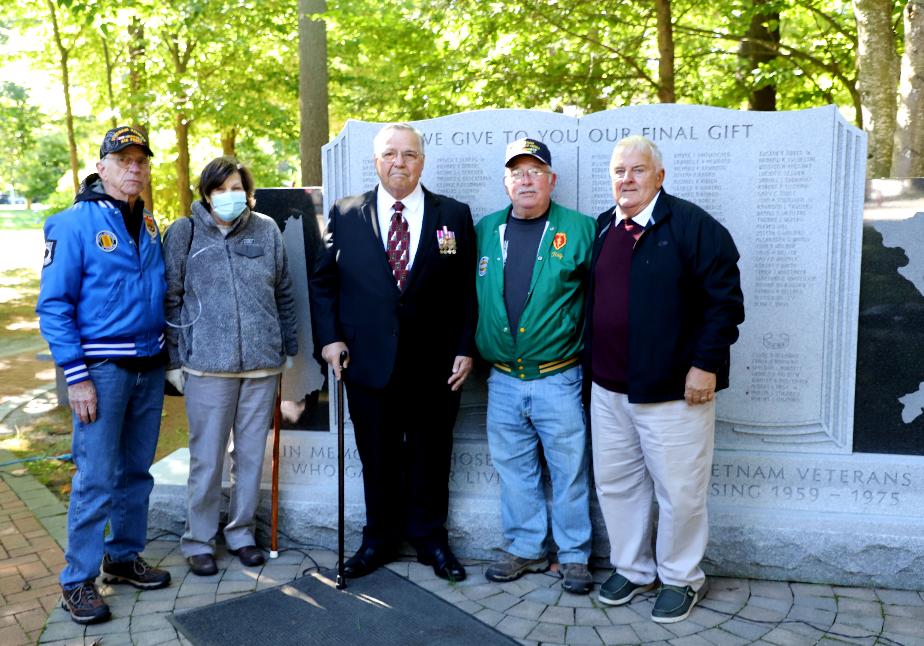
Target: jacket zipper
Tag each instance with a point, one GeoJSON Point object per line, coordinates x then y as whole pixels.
{"type": "Point", "coordinates": [240, 332]}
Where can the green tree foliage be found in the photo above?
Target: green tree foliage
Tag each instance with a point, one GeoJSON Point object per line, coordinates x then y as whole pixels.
{"type": "Point", "coordinates": [18, 120]}
{"type": "Point", "coordinates": [212, 76]}
{"type": "Point", "coordinates": [198, 67]}
{"type": "Point", "coordinates": [415, 59]}
{"type": "Point", "coordinates": [43, 167]}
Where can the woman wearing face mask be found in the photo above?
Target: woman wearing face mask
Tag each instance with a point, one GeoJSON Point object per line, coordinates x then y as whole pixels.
{"type": "Point", "coordinates": [231, 325]}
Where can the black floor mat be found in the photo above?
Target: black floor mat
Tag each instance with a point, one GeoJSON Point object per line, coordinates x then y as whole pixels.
{"type": "Point", "coordinates": [382, 608]}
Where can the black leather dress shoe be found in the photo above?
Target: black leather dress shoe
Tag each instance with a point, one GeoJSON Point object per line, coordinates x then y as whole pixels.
{"type": "Point", "coordinates": [250, 555]}
{"type": "Point", "coordinates": [367, 559]}
{"type": "Point", "coordinates": [202, 564]}
{"type": "Point", "coordinates": [444, 562]}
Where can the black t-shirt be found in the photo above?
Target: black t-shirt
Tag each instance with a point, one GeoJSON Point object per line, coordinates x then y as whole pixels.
{"type": "Point", "coordinates": [522, 238]}
{"type": "Point", "coordinates": [132, 216]}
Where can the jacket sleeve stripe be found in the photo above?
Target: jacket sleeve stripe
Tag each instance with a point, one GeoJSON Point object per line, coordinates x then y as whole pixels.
{"type": "Point", "coordinates": [76, 373]}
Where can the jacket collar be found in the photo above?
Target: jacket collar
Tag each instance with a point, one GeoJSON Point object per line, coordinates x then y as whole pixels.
{"type": "Point", "coordinates": [660, 213]}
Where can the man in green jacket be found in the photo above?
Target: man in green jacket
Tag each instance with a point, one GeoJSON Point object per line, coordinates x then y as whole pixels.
{"type": "Point", "coordinates": [534, 257]}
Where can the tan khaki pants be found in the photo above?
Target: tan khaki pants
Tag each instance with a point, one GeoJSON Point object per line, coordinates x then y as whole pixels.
{"type": "Point", "coordinates": [664, 450]}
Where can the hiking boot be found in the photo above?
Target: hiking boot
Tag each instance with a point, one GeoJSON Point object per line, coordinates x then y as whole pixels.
{"type": "Point", "coordinates": [84, 604]}
{"type": "Point", "coordinates": [137, 573]}
{"type": "Point", "coordinates": [577, 579]}
{"type": "Point", "coordinates": [675, 603]}
{"type": "Point", "coordinates": [618, 590]}
{"type": "Point", "coordinates": [513, 567]}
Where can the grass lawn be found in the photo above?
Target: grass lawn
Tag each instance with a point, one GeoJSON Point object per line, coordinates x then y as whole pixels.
{"type": "Point", "coordinates": [18, 217]}
{"type": "Point", "coordinates": [44, 433]}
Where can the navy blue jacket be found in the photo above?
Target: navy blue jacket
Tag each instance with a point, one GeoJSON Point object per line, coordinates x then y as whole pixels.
{"type": "Point", "coordinates": [685, 300]}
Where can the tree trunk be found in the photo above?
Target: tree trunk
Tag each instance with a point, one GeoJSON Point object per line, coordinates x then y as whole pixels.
{"type": "Point", "coordinates": [228, 139]}
{"type": "Point", "coordinates": [908, 156]}
{"type": "Point", "coordinates": [63, 55]}
{"type": "Point", "coordinates": [108, 61]}
{"type": "Point", "coordinates": [137, 111]}
{"type": "Point", "coordinates": [665, 52]}
{"type": "Point", "coordinates": [759, 48]}
{"type": "Point", "coordinates": [312, 88]}
{"type": "Point", "coordinates": [181, 128]}
{"type": "Point", "coordinates": [181, 55]}
{"type": "Point", "coordinates": [877, 80]}
{"type": "Point", "coordinates": [136, 78]}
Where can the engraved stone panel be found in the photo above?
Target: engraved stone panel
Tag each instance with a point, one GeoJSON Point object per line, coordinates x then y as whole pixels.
{"type": "Point", "coordinates": [788, 185]}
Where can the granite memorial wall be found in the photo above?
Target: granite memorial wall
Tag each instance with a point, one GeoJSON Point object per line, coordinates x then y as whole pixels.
{"type": "Point", "coordinates": [790, 497]}
{"type": "Point", "coordinates": [789, 187]}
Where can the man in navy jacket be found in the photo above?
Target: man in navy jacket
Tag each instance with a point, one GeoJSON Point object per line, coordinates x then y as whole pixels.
{"type": "Point", "coordinates": [395, 287]}
{"type": "Point", "coordinates": [664, 305]}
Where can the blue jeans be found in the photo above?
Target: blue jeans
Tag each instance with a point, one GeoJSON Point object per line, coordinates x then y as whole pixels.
{"type": "Point", "coordinates": [521, 414]}
{"type": "Point", "coordinates": [113, 481]}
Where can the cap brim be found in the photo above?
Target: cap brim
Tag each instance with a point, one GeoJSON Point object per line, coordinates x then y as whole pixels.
{"type": "Point", "coordinates": [534, 156]}
{"type": "Point", "coordinates": [147, 151]}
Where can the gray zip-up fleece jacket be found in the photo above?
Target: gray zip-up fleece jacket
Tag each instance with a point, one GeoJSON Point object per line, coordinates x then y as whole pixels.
{"type": "Point", "coordinates": [231, 295]}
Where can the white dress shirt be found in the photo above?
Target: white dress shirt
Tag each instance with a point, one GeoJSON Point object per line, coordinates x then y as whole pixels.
{"type": "Point", "coordinates": [644, 217]}
{"type": "Point", "coordinates": [413, 213]}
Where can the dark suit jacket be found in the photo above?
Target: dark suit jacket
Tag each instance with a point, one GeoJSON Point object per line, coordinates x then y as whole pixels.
{"type": "Point", "coordinates": [354, 297]}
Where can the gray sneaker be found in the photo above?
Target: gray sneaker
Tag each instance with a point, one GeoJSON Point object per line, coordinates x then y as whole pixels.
{"type": "Point", "coordinates": [675, 603]}
{"type": "Point", "coordinates": [618, 590]}
{"type": "Point", "coordinates": [577, 579]}
{"type": "Point", "coordinates": [513, 567]}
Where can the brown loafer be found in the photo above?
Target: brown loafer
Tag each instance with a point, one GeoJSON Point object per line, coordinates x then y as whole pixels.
{"type": "Point", "coordinates": [250, 555]}
{"type": "Point", "coordinates": [202, 564]}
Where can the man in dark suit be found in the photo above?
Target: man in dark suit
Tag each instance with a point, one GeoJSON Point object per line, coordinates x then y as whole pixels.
{"type": "Point", "coordinates": [395, 288]}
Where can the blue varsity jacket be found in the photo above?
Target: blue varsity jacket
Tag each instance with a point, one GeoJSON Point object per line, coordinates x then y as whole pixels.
{"type": "Point", "coordinates": [101, 296]}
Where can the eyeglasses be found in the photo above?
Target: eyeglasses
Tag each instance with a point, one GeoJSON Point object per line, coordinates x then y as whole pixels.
{"type": "Point", "coordinates": [621, 173]}
{"type": "Point", "coordinates": [519, 174]}
{"type": "Point", "coordinates": [126, 162]}
{"type": "Point", "coordinates": [391, 156]}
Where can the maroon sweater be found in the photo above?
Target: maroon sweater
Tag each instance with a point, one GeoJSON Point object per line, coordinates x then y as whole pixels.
{"type": "Point", "coordinates": [611, 307]}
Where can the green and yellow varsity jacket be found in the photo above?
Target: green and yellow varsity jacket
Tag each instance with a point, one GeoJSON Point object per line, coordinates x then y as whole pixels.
{"type": "Point", "coordinates": [549, 336]}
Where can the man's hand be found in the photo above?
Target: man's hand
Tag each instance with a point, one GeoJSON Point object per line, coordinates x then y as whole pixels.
{"type": "Point", "coordinates": [331, 354]}
{"type": "Point", "coordinates": [699, 387]}
{"type": "Point", "coordinates": [461, 368]}
{"type": "Point", "coordinates": [82, 397]}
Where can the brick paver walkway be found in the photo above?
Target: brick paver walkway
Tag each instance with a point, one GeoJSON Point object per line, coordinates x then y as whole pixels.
{"type": "Point", "coordinates": [532, 610]}
{"type": "Point", "coordinates": [30, 558]}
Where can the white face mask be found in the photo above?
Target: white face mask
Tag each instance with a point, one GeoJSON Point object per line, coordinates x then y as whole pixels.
{"type": "Point", "coordinates": [229, 205]}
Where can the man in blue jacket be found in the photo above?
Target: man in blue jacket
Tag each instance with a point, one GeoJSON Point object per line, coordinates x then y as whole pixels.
{"type": "Point", "coordinates": [664, 305]}
{"type": "Point", "coordinates": [101, 310]}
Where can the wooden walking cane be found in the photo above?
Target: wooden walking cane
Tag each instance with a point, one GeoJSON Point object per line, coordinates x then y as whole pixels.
{"type": "Point", "coordinates": [341, 579]}
{"type": "Point", "coordinates": [274, 505]}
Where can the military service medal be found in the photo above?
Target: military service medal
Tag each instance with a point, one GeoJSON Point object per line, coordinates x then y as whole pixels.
{"type": "Point", "coordinates": [446, 240]}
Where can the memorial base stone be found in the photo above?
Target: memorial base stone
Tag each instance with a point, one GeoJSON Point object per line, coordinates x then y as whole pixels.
{"type": "Point", "coordinates": [798, 492]}
{"type": "Point", "coordinates": [782, 516]}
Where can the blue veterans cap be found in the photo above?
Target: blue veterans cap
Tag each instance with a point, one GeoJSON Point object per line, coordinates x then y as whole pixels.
{"type": "Point", "coordinates": [123, 137]}
{"type": "Point", "coordinates": [531, 147]}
